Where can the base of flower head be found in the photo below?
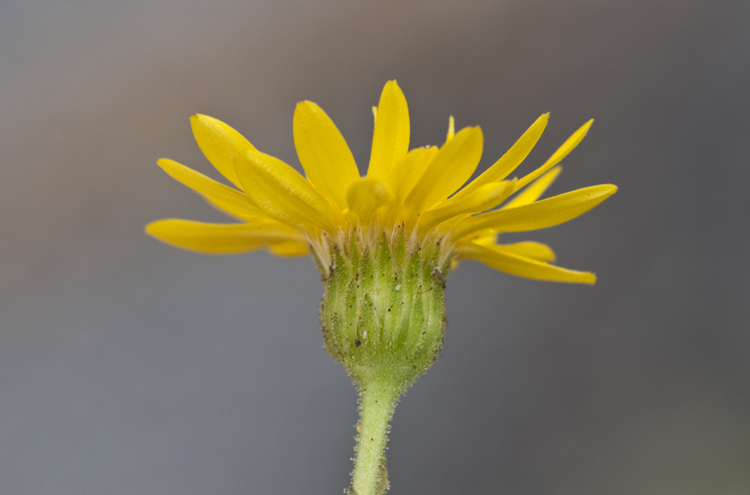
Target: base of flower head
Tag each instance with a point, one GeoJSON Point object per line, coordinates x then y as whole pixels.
{"type": "Point", "coordinates": [383, 312]}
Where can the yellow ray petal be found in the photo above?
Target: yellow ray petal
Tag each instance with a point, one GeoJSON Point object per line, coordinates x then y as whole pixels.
{"type": "Point", "coordinates": [539, 215]}
{"type": "Point", "coordinates": [524, 267]}
{"type": "Point", "coordinates": [529, 249]}
{"type": "Point", "coordinates": [449, 170]}
{"type": "Point", "coordinates": [367, 195]}
{"type": "Point", "coordinates": [282, 192]}
{"type": "Point", "coordinates": [323, 152]}
{"type": "Point", "coordinates": [409, 170]}
{"type": "Point", "coordinates": [244, 213]}
{"type": "Point", "coordinates": [290, 248]}
{"type": "Point", "coordinates": [220, 195]}
{"type": "Point", "coordinates": [511, 159]}
{"type": "Point", "coordinates": [390, 141]}
{"type": "Point", "coordinates": [451, 128]}
{"type": "Point", "coordinates": [535, 190]}
{"type": "Point", "coordinates": [405, 175]}
{"type": "Point", "coordinates": [220, 143]}
{"type": "Point", "coordinates": [487, 237]}
{"type": "Point", "coordinates": [568, 146]}
{"type": "Point", "coordinates": [221, 238]}
{"type": "Point", "coordinates": [483, 199]}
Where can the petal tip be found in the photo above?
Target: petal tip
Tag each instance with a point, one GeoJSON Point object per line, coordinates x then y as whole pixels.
{"type": "Point", "coordinates": [472, 132]}
{"type": "Point", "coordinates": [477, 133]}
{"type": "Point", "coordinates": [588, 278]}
{"type": "Point", "coordinates": [306, 104]}
{"type": "Point", "coordinates": [152, 228]}
{"type": "Point", "coordinates": [200, 118]}
{"type": "Point", "coordinates": [392, 87]}
{"type": "Point", "coordinates": [603, 190]}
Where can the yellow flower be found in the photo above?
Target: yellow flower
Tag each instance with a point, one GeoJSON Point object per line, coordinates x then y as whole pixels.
{"type": "Point", "coordinates": [417, 192]}
{"type": "Point", "coordinates": [383, 243]}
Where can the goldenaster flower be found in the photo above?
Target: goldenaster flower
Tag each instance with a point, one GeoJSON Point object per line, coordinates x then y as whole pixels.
{"type": "Point", "coordinates": [418, 191]}
{"type": "Point", "coordinates": [383, 243]}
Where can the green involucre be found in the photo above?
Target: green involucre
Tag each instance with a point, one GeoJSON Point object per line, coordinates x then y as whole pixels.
{"type": "Point", "coordinates": [383, 312]}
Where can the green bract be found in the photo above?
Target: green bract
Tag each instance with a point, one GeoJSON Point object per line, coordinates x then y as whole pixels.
{"type": "Point", "coordinates": [384, 309]}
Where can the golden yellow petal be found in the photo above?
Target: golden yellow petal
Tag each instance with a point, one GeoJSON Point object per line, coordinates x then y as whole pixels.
{"type": "Point", "coordinates": [282, 192]}
{"type": "Point", "coordinates": [522, 266]}
{"type": "Point", "coordinates": [568, 146]}
{"type": "Point", "coordinates": [323, 152]}
{"type": "Point", "coordinates": [409, 170]}
{"type": "Point", "coordinates": [290, 248]}
{"type": "Point", "coordinates": [367, 195]}
{"type": "Point", "coordinates": [221, 238]}
{"type": "Point", "coordinates": [449, 170]}
{"type": "Point", "coordinates": [451, 128]}
{"type": "Point", "coordinates": [529, 249]}
{"type": "Point", "coordinates": [244, 213]}
{"type": "Point", "coordinates": [405, 175]}
{"type": "Point", "coordinates": [390, 141]}
{"type": "Point", "coordinates": [220, 143]}
{"type": "Point", "coordinates": [486, 237]}
{"type": "Point", "coordinates": [539, 215]}
{"type": "Point", "coordinates": [220, 195]}
{"type": "Point", "coordinates": [483, 199]}
{"type": "Point", "coordinates": [511, 159]}
{"type": "Point", "coordinates": [535, 190]}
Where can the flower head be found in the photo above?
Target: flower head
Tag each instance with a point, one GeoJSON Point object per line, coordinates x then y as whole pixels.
{"type": "Point", "coordinates": [420, 195]}
{"type": "Point", "coordinates": [384, 242]}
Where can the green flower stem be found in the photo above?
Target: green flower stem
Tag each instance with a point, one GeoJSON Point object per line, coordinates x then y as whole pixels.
{"type": "Point", "coordinates": [378, 398]}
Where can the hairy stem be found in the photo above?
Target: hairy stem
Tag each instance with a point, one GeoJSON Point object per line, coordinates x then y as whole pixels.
{"type": "Point", "coordinates": [378, 399]}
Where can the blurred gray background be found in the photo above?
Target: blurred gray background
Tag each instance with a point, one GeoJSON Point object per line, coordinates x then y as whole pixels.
{"type": "Point", "coordinates": [128, 367]}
